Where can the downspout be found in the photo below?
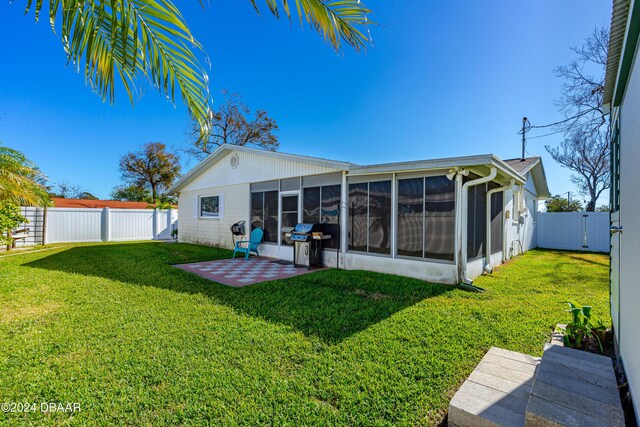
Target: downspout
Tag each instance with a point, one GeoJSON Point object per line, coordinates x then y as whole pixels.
{"type": "Point", "coordinates": [462, 244]}
{"type": "Point", "coordinates": [487, 263]}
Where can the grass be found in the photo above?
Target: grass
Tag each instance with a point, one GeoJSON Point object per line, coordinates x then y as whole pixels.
{"type": "Point", "coordinates": [138, 342]}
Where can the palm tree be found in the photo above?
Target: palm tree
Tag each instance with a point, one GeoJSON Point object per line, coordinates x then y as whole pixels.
{"type": "Point", "coordinates": [19, 180]}
{"type": "Point", "coordinates": [127, 39]}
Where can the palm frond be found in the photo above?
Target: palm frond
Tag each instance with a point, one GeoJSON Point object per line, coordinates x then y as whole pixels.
{"type": "Point", "coordinates": [18, 179]}
{"type": "Point", "coordinates": [123, 40]}
{"type": "Point", "coordinates": [336, 20]}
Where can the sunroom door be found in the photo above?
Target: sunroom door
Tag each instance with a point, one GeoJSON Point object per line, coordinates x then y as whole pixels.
{"type": "Point", "coordinates": [289, 214]}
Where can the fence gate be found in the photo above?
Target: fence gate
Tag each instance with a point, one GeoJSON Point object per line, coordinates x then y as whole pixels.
{"type": "Point", "coordinates": [574, 231]}
{"type": "Point", "coordinates": [35, 216]}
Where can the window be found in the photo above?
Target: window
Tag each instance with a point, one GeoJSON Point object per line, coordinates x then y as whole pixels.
{"type": "Point", "coordinates": [426, 217]}
{"type": "Point", "coordinates": [322, 205]}
{"type": "Point", "coordinates": [210, 206]}
{"type": "Point", "coordinates": [370, 217]}
{"type": "Point", "coordinates": [264, 214]}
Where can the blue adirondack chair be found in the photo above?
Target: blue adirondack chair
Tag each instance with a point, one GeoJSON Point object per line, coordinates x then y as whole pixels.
{"type": "Point", "coordinates": [251, 245]}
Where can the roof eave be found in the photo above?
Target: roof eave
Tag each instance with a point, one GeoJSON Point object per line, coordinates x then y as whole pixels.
{"type": "Point", "coordinates": [436, 164]}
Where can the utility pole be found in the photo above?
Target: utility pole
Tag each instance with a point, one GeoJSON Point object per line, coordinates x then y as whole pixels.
{"type": "Point", "coordinates": [524, 123]}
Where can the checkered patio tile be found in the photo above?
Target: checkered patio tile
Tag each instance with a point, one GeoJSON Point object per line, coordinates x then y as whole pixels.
{"type": "Point", "coordinates": [238, 272]}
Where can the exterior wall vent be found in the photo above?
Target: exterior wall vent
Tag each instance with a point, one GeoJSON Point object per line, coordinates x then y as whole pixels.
{"type": "Point", "coordinates": [235, 160]}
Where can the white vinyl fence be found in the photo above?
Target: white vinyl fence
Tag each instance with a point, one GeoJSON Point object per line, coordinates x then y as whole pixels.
{"type": "Point", "coordinates": [59, 225]}
{"type": "Point", "coordinates": [574, 231]}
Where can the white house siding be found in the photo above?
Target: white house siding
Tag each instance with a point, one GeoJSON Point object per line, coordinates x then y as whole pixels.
{"type": "Point", "coordinates": [629, 315]}
{"type": "Point", "coordinates": [520, 226]}
{"type": "Point", "coordinates": [212, 231]}
{"type": "Point", "coordinates": [253, 167]}
{"type": "Point", "coordinates": [234, 185]}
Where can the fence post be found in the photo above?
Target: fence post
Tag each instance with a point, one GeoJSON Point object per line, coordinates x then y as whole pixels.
{"type": "Point", "coordinates": [169, 222]}
{"type": "Point", "coordinates": [156, 223]}
{"type": "Point", "coordinates": [106, 222]}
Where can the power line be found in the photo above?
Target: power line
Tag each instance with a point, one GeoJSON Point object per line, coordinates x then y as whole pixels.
{"type": "Point", "coordinates": [546, 134]}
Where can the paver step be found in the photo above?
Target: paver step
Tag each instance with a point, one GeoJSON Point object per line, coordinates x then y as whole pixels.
{"type": "Point", "coordinates": [497, 391]}
{"type": "Point", "coordinates": [567, 387]}
{"type": "Point", "coordinates": [574, 388]}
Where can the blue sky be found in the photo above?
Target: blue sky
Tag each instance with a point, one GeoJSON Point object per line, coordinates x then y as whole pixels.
{"type": "Point", "coordinates": [442, 79]}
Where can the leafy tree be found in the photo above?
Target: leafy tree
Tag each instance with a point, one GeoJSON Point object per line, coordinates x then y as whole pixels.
{"type": "Point", "coordinates": [20, 180]}
{"type": "Point", "coordinates": [10, 218]}
{"type": "Point", "coordinates": [585, 150]}
{"type": "Point", "coordinates": [603, 208]}
{"type": "Point", "coordinates": [152, 167]}
{"type": "Point", "coordinates": [129, 39]}
{"type": "Point", "coordinates": [560, 204]}
{"type": "Point", "coordinates": [131, 193]}
{"type": "Point", "coordinates": [233, 124]}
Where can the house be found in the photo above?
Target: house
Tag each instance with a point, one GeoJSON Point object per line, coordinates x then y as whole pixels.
{"type": "Point", "coordinates": [442, 220]}
{"type": "Point", "coordinates": [622, 96]}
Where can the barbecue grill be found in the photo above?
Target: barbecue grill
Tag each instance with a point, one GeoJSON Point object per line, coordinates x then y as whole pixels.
{"type": "Point", "coordinates": [307, 244]}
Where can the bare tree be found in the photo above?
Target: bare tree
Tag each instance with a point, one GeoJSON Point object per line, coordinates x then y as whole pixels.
{"type": "Point", "coordinates": [151, 167]}
{"type": "Point", "coordinates": [585, 150]}
{"type": "Point", "coordinates": [588, 156]}
{"type": "Point", "coordinates": [66, 190]}
{"type": "Point", "coordinates": [233, 124]}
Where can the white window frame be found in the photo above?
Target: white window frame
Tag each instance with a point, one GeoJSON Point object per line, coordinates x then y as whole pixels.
{"type": "Point", "coordinates": [220, 215]}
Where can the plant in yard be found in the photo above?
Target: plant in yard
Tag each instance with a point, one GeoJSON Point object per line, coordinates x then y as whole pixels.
{"type": "Point", "coordinates": [10, 218]}
{"type": "Point", "coordinates": [20, 180]}
{"type": "Point", "coordinates": [583, 327]}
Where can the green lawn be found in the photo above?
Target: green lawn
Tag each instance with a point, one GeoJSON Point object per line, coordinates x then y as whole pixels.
{"type": "Point", "coordinates": [135, 341]}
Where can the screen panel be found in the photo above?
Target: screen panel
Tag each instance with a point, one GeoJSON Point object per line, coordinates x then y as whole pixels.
{"type": "Point", "coordinates": [330, 214]}
{"type": "Point", "coordinates": [497, 222]}
{"type": "Point", "coordinates": [311, 205]}
{"type": "Point", "coordinates": [271, 216]}
{"type": "Point", "coordinates": [358, 222]}
{"type": "Point", "coordinates": [440, 213]}
{"type": "Point", "coordinates": [380, 217]}
{"type": "Point", "coordinates": [410, 217]}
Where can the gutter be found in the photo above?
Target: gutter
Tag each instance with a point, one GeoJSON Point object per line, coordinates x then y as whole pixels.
{"type": "Point", "coordinates": [487, 263]}
{"type": "Point", "coordinates": [462, 253]}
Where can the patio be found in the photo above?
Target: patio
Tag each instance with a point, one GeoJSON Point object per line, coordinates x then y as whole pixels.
{"type": "Point", "coordinates": [237, 272]}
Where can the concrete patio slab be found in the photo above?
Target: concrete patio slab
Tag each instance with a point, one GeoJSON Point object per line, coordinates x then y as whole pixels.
{"type": "Point", "coordinates": [238, 272]}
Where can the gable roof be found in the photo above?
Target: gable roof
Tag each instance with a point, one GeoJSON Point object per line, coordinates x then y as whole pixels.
{"type": "Point", "coordinates": [522, 166]}
{"type": "Point", "coordinates": [225, 149]}
{"type": "Point", "coordinates": [532, 165]}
